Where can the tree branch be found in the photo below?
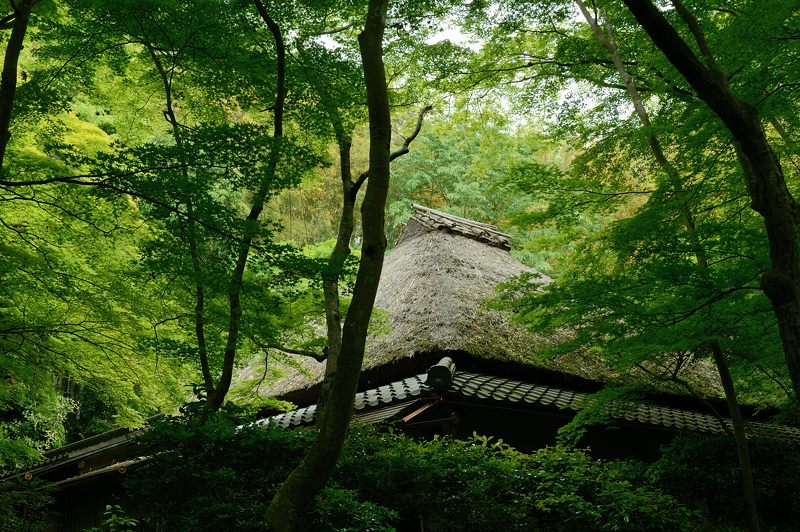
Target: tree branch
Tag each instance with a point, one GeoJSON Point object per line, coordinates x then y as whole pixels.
{"type": "Point", "coordinates": [673, 377]}
{"type": "Point", "coordinates": [763, 369]}
{"type": "Point", "coordinates": [319, 357]}
{"type": "Point", "coordinates": [697, 33]}
{"type": "Point", "coordinates": [397, 153]}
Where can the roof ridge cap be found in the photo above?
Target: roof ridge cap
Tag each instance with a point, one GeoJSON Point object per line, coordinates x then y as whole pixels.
{"type": "Point", "coordinates": [480, 225]}
{"type": "Point", "coordinates": [442, 221]}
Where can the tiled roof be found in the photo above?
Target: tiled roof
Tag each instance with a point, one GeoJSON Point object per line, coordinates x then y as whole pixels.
{"type": "Point", "coordinates": [395, 392]}
{"type": "Point", "coordinates": [382, 403]}
{"type": "Point", "coordinates": [118, 467]}
{"type": "Point", "coordinates": [73, 454]}
{"type": "Point", "coordinates": [502, 389]}
{"type": "Point", "coordinates": [513, 392]}
{"type": "Point", "coordinates": [61, 456]}
{"type": "Point", "coordinates": [378, 404]}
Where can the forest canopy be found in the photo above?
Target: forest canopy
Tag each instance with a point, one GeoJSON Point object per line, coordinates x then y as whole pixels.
{"type": "Point", "coordinates": [188, 188]}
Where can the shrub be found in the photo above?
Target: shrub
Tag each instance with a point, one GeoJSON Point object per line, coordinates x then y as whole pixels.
{"type": "Point", "coordinates": [445, 484]}
{"type": "Point", "coordinates": [486, 485]}
{"type": "Point", "coordinates": [212, 476]}
{"type": "Point", "coordinates": [25, 505]}
{"type": "Point", "coordinates": [341, 510]}
{"type": "Point", "coordinates": [703, 471]}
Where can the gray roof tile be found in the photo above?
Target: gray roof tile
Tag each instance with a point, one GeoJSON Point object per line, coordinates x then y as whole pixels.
{"type": "Point", "coordinates": [481, 386]}
{"type": "Point", "coordinates": [363, 401]}
{"type": "Point", "coordinates": [371, 405]}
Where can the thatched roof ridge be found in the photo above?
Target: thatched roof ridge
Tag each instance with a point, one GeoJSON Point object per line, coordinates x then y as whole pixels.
{"type": "Point", "coordinates": [450, 223]}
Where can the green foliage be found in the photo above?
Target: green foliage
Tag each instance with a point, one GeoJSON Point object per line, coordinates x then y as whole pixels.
{"type": "Point", "coordinates": [486, 485]}
{"type": "Point", "coordinates": [33, 415]}
{"type": "Point", "coordinates": [341, 510]}
{"type": "Point", "coordinates": [116, 520]}
{"type": "Point", "coordinates": [702, 472]}
{"type": "Point", "coordinates": [227, 475]}
{"type": "Point", "coordinates": [479, 166]}
{"type": "Point", "coordinates": [789, 414]}
{"type": "Point", "coordinates": [25, 505]}
{"type": "Point", "coordinates": [460, 163]}
{"type": "Point", "coordinates": [658, 264]}
{"type": "Point", "coordinates": [98, 287]}
{"type": "Point", "coordinates": [71, 312]}
{"type": "Point", "coordinates": [594, 410]}
{"type": "Point", "coordinates": [447, 485]}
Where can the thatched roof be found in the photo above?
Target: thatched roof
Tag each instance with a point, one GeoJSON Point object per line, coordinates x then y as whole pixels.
{"type": "Point", "coordinates": [434, 287]}
{"type": "Point", "coordinates": [432, 300]}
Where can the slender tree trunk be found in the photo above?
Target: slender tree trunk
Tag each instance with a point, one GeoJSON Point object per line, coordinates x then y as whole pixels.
{"type": "Point", "coordinates": [330, 278]}
{"type": "Point", "coordinates": [235, 311]}
{"type": "Point", "coordinates": [332, 274]}
{"type": "Point", "coordinates": [194, 246]}
{"type": "Point", "coordinates": [216, 391]}
{"type": "Point", "coordinates": [742, 450]}
{"type": "Point", "coordinates": [8, 79]}
{"type": "Point", "coordinates": [199, 303]}
{"type": "Point", "coordinates": [780, 130]}
{"type": "Point", "coordinates": [296, 495]}
{"type": "Point", "coordinates": [608, 41]}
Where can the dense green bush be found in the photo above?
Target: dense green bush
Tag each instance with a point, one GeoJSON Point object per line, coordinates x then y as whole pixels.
{"type": "Point", "coordinates": [703, 471]}
{"type": "Point", "coordinates": [342, 510]}
{"type": "Point", "coordinates": [205, 474]}
{"type": "Point", "coordinates": [25, 505]}
{"type": "Point", "coordinates": [484, 485]}
{"type": "Point", "coordinates": [220, 474]}
{"type": "Point", "coordinates": [213, 476]}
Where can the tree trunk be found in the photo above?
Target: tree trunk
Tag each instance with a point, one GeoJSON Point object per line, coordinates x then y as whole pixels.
{"type": "Point", "coordinates": [194, 248]}
{"type": "Point", "coordinates": [330, 277]}
{"type": "Point", "coordinates": [770, 198]}
{"type": "Point", "coordinates": [763, 177]}
{"type": "Point", "coordinates": [8, 79]}
{"type": "Point", "coordinates": [742, 450]}
{"type": "Point", "coordinates": [217, 396]}
{"type": "Point", "coordinates": [216, 391]}
{"type": "Point", "coordinates": [296, 495]}
{"type": "Point", "coordinates": [608, 41]}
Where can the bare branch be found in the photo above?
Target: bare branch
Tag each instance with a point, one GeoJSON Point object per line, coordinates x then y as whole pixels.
{"type": "Point", "coordinates": [397, 153]}
{"type": "Point", "coordinates": [340, 29]}
{"type": "Point", "coordinates": [763, 369]}
{"type": "Point", "coordinates": [673, 377]}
